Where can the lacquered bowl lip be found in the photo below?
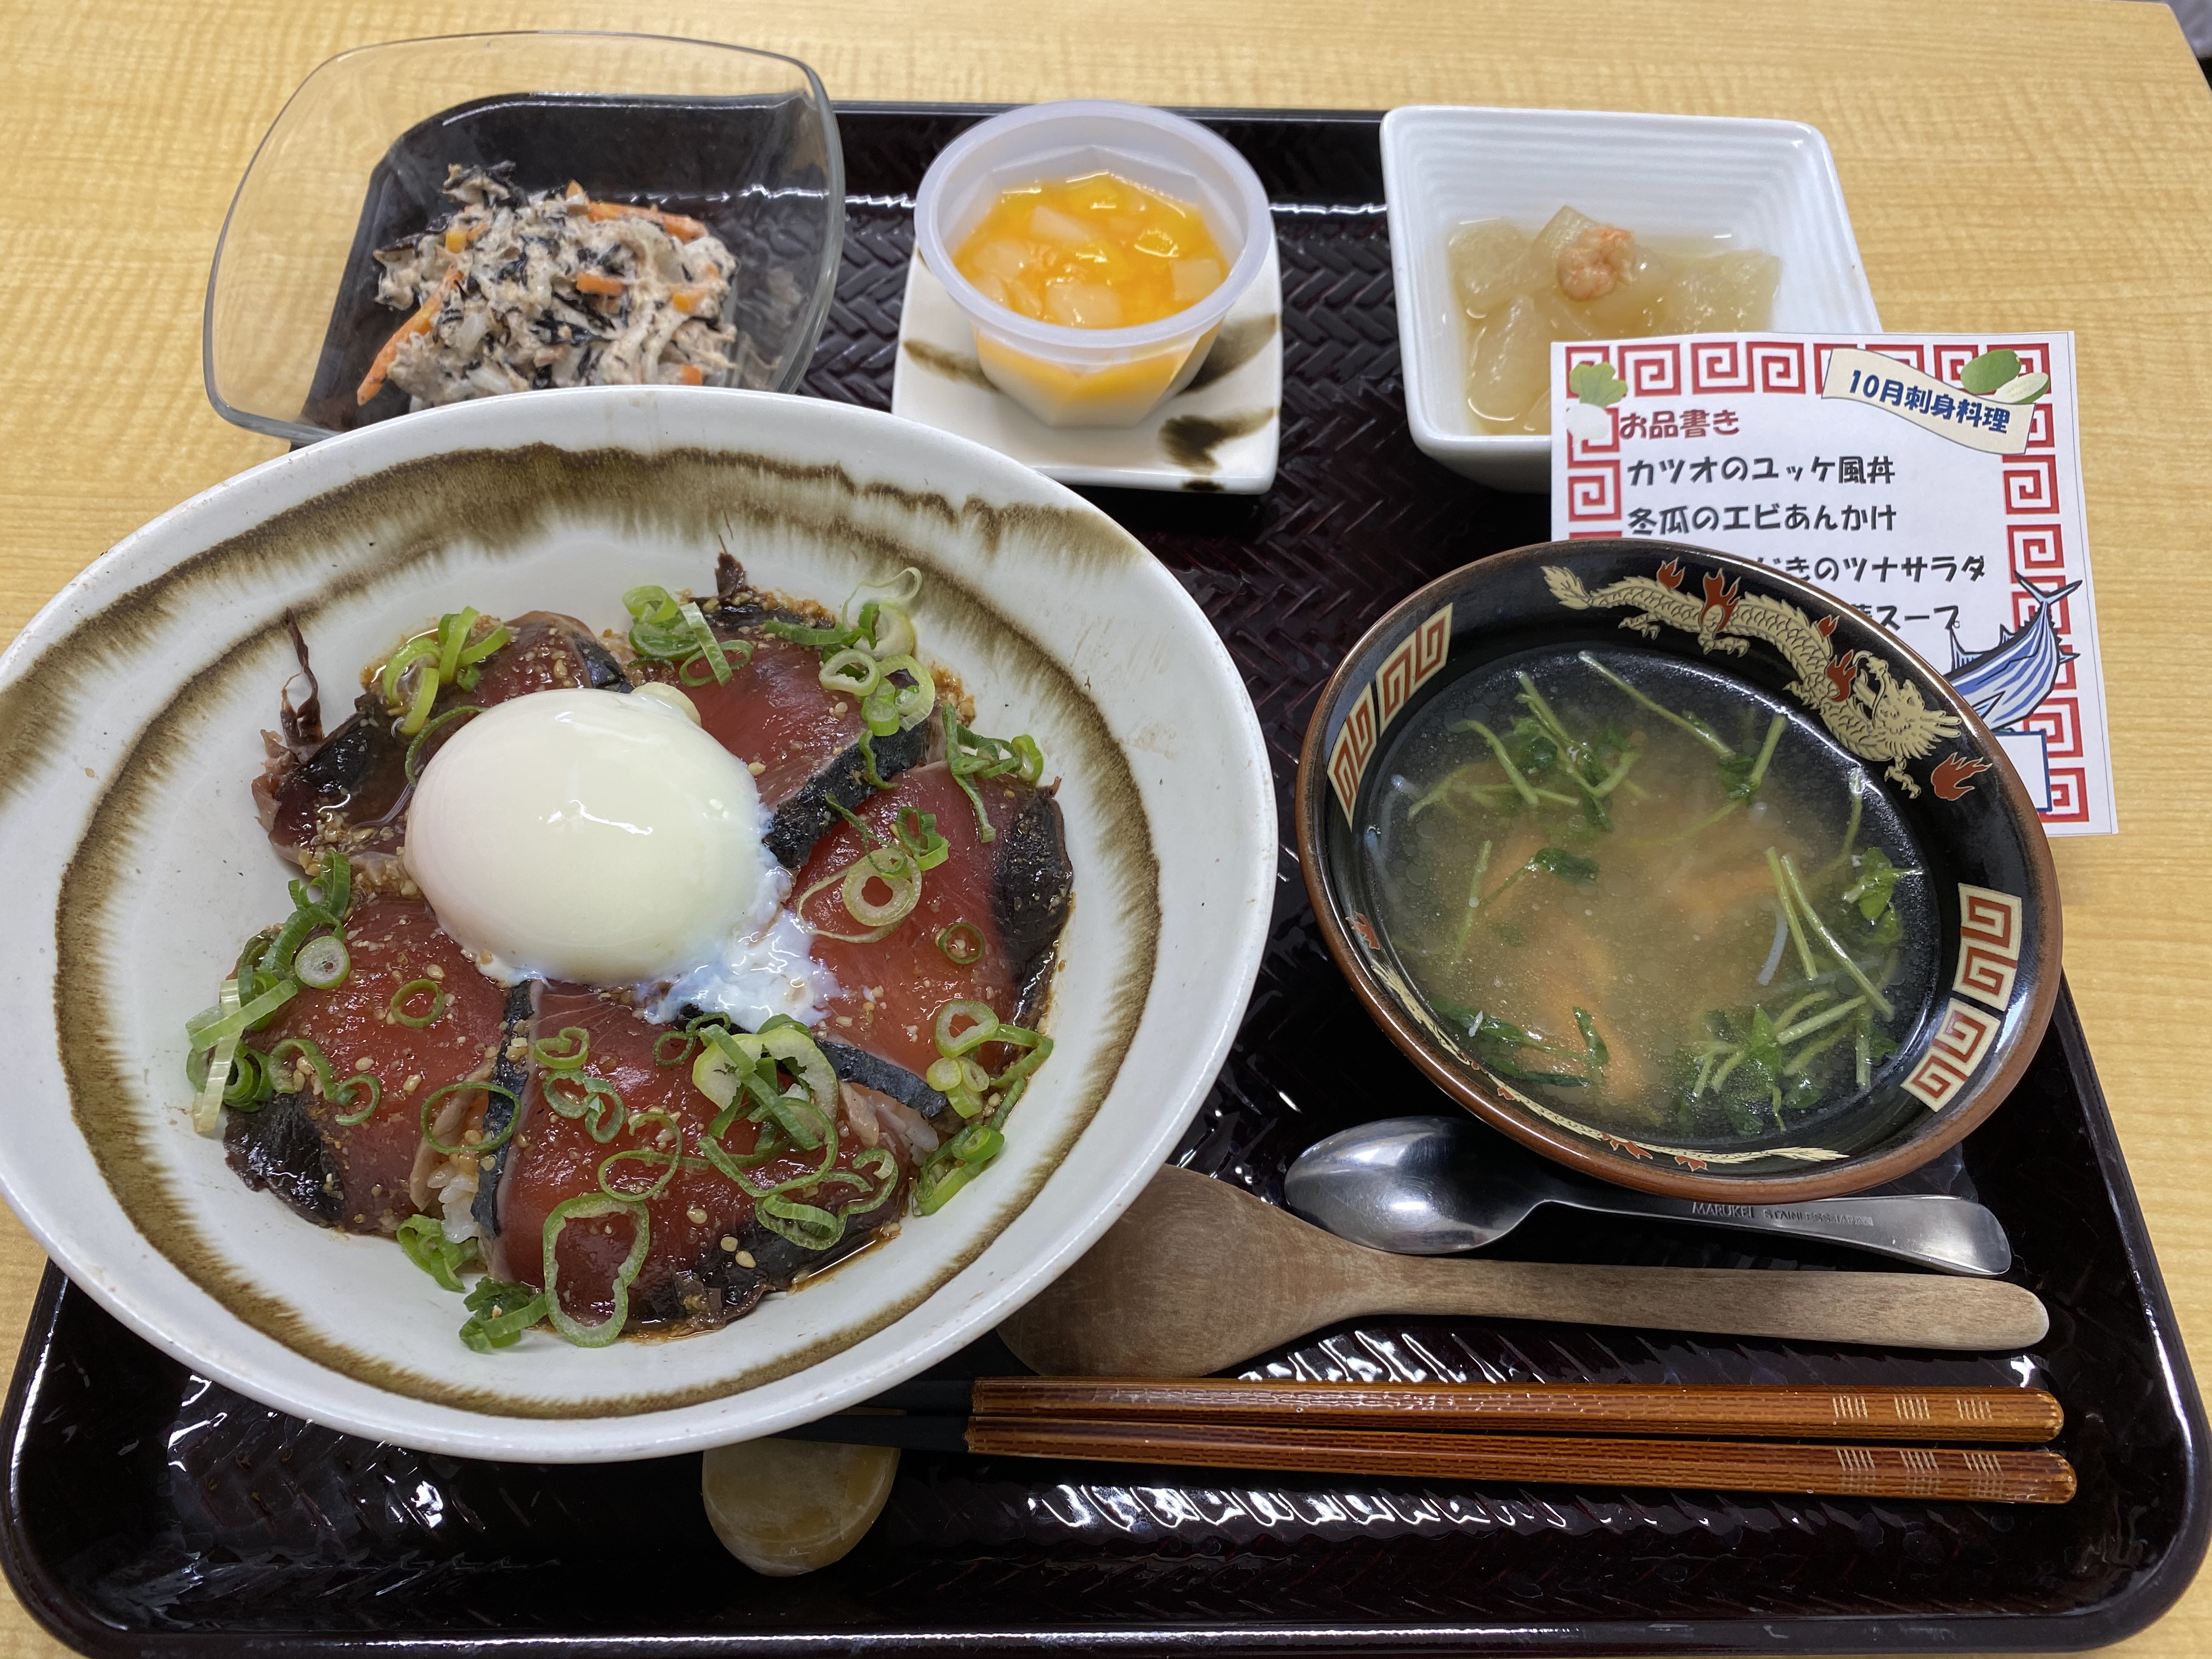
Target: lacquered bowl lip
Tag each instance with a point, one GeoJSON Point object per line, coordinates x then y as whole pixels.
{"type": "Point", "coordinates": [1984, 1092]}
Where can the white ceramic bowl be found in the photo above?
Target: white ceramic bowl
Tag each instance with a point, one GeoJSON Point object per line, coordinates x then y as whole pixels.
{"type": "Point", "coordinates": [1765, 184]}
{"type": "Point", "coordinates": [131, 714]}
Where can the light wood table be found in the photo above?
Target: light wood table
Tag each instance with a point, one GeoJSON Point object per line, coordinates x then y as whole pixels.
{"type": "Point", "coordinates": [2009, 164]}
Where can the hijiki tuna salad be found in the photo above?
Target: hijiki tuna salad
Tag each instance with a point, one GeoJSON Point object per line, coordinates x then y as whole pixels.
{"type": "Point", "coordinates": [639, 974]}
{"type": "Point", "coordinates": [511, 293]}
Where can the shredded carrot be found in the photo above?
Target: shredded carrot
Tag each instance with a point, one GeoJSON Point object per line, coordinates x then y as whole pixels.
{"type": "Point", "coordinates": [597, 282]}
{"type": "Point", "coordinates": [373, 382]}
{"type": "Point", "coordinates": [689, 374]}
{"type": "Point", "coordinates": [675, 224]}
{"type": "Point", "coordinates": [689, 298]}
{"type": "Point", "coordinates": [458, 238]}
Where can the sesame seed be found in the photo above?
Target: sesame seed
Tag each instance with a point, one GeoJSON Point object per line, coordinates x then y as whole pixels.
{"type": "Point", "coordinates": [697, 1218]}
{"type": "Point", "coordinates": [745, 1259]}
{"type": "Point", "coordinates": [729, 1243]}
{"type": "Point", "coordinates": [364, 1063]}
{"type": "Point", "coordinates": [756, 768]}
{"type": "Point", "coordinates": [433, 971]}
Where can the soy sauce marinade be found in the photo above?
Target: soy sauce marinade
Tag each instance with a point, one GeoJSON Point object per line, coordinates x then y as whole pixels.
{"type": "Point", "coordinates": [1648, 897]}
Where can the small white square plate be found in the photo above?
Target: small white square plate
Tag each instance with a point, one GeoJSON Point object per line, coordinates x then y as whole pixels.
{"type": "Point", "coordinates": [1220, 433]}
{"type": "Point", "coordinates": [1744, 184]}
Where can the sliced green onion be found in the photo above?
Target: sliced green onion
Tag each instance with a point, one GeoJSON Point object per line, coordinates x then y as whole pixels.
{"type": "Point", "coordinates": [423, 1239]}
{"type": "Point", "coordinates": [916, 831]}
{"type": "Point", "coordinates": [498, 1313]}
{"type": "Point", "coordinates": [333, 888]}
{"type": "Point", "coordinates": [960, 762]}
{"type": "Point", "coordinates": [1030, 757]}
{"type": "Point", "coordinates": [891, 866]}
{"type": "Point", "coordinates": [1013, 1083]}
{"type": "Point", "coordinates": [709, 647]}
{"type": "Point", "coordinates": [453, 634]}
{"type": "Point", "coordinates": [912, 703]}
{"type": "Point", "coordinates": [799, 910]}
{"type": "Point", "coordinates": [233, 1018]}
{"type": "Point", "coordinates": [890, 630]}
{"type": "Point", "coordinates": [874, 779]}
{"type": "Point", "coordinates": [850, 671]}
{"type": "Point", "coordinates": [343, 1095]}
{"type": "Point", "coordinates": [962, 944]}
{"type": "Point", "coordinates": [686, 1040]}
{"type": "Point", "coordinates": [249, 1080]}
{"type": "Point", "coordinates": [879, 710]}
{"type": "Point", "coordinates": [592, 1207]}
{"type": "Point", "coordinates": [600, 1107]}
{"type": "Point", "coordinates": [336, 1090]}
{"type": "Point", "coordinates": [982, 1025]}
{"type": "Point", "coordinates": [413, 767]}
{"type": "Point", "coordinates": [277, 961]}
{"type": "Point", "coordinates": [898, 593]}
{"type": "Point", "coordinates": [671, 1159]}
{"type": "Point", "coordinates": [807, 1225]}
{"type": "Point", "coordinates": [954, 1165]}
{"type": "Point", "coordinates": [430, 1136]}
{"type": "Point", "coordinates": [472, 654]}
{"type": "Point", "coordinates": [961, 1081]}
{"type": "Point", "coordinates": [322, 963]}
{"type": "Point", "coordinates": [821, 639]}
{"type": "Point", "coordinates": [418, 649]}
{"type": "Point", "coordinates": [401, 996]}
{"type": "Point", "coordinates": [563, 1052]}
{"type": "Point", "coordinates": [426, 694]}
{"type": "Point", "coordinates": [207, 1109]}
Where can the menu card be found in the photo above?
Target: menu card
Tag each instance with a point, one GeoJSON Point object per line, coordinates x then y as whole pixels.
{"type": "Point", "coordinates": [1934, 480]}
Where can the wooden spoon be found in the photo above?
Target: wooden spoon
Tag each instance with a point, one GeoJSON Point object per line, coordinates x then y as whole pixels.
{"type": "Point", "coordinates": [1198, 1275]}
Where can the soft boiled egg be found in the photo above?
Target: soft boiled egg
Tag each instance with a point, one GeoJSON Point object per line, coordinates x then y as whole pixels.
{"type": "Point", "coordinates": [595, 836]}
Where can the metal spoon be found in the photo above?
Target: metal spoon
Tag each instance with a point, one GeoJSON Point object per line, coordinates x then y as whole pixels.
{"type": "Point", "coordinates": [1432, 1186]}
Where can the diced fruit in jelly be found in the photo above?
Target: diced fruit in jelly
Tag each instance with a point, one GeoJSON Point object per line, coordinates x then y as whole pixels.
{"type": "Point", "coordinates": [1092, 252]}
{"type": "Point", "coordinates": [1194, 279]}
{"type": "Point", "coordinates": [1486, 265]}
{"type": "Point", "coordinates": [1082, 305]}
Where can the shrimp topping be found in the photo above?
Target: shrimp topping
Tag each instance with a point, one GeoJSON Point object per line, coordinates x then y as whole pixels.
{"type": "Point", "coordinates": [1596, 262]}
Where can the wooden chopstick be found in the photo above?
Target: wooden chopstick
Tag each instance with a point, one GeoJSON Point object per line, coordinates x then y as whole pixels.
{"type": "Point", "coordinates": [1728, 1410]}
{"type": "Point", "coordinates": [1925, 1472]}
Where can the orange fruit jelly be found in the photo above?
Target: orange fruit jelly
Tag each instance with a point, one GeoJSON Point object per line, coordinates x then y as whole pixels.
{"type": "Point", "coordinates": [1098, 252]}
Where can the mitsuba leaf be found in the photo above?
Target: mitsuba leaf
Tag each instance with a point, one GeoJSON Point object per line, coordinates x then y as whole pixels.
{"type": "Point", "coordinates": [1876, 882]}
{"type": "Point", "coordinates": [1567, 866]}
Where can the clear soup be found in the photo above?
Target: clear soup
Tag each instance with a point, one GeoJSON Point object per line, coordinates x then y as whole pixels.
{"type": "Point", "coordinates": [1648, 896]}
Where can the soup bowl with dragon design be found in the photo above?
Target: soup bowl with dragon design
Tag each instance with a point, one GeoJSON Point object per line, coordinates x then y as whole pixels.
{"type": "Point", "coordinates": [1883, 722]}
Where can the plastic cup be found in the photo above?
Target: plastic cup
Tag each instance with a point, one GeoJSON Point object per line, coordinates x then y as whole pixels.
{"type": "Point", "coordinates": [1092, 376]}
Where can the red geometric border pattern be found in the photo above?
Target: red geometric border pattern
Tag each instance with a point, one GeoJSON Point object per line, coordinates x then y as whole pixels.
{"type": "Point", "coordinates": [1991, 925]}
{"type": "Point", "coordinates": [1412, 666]}
{"type": "Point", "coordinates": [1354, 745]}
{"type": "Point", "coordinates": [1964, 1035]}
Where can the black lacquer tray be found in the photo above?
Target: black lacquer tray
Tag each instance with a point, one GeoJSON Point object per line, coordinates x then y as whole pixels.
{"type": "Point", "coordinates": [149, 1511]}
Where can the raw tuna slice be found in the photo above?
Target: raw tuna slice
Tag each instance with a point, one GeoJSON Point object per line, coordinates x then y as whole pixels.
{"type": "Point", "coordinates": [1014, 891]}
{"type": "Point", "coordinates": [708, 1260]}
{"type": "Point", "coordinates": [369, 1176]}
{"type": "Point", "coordinates": [350, 789]}
{"type": "Point", "coordinates": [775, 714]}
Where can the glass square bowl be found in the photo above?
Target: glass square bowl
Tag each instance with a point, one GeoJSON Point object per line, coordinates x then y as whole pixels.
{"type": "Point", "coordinates": [743, 140]}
